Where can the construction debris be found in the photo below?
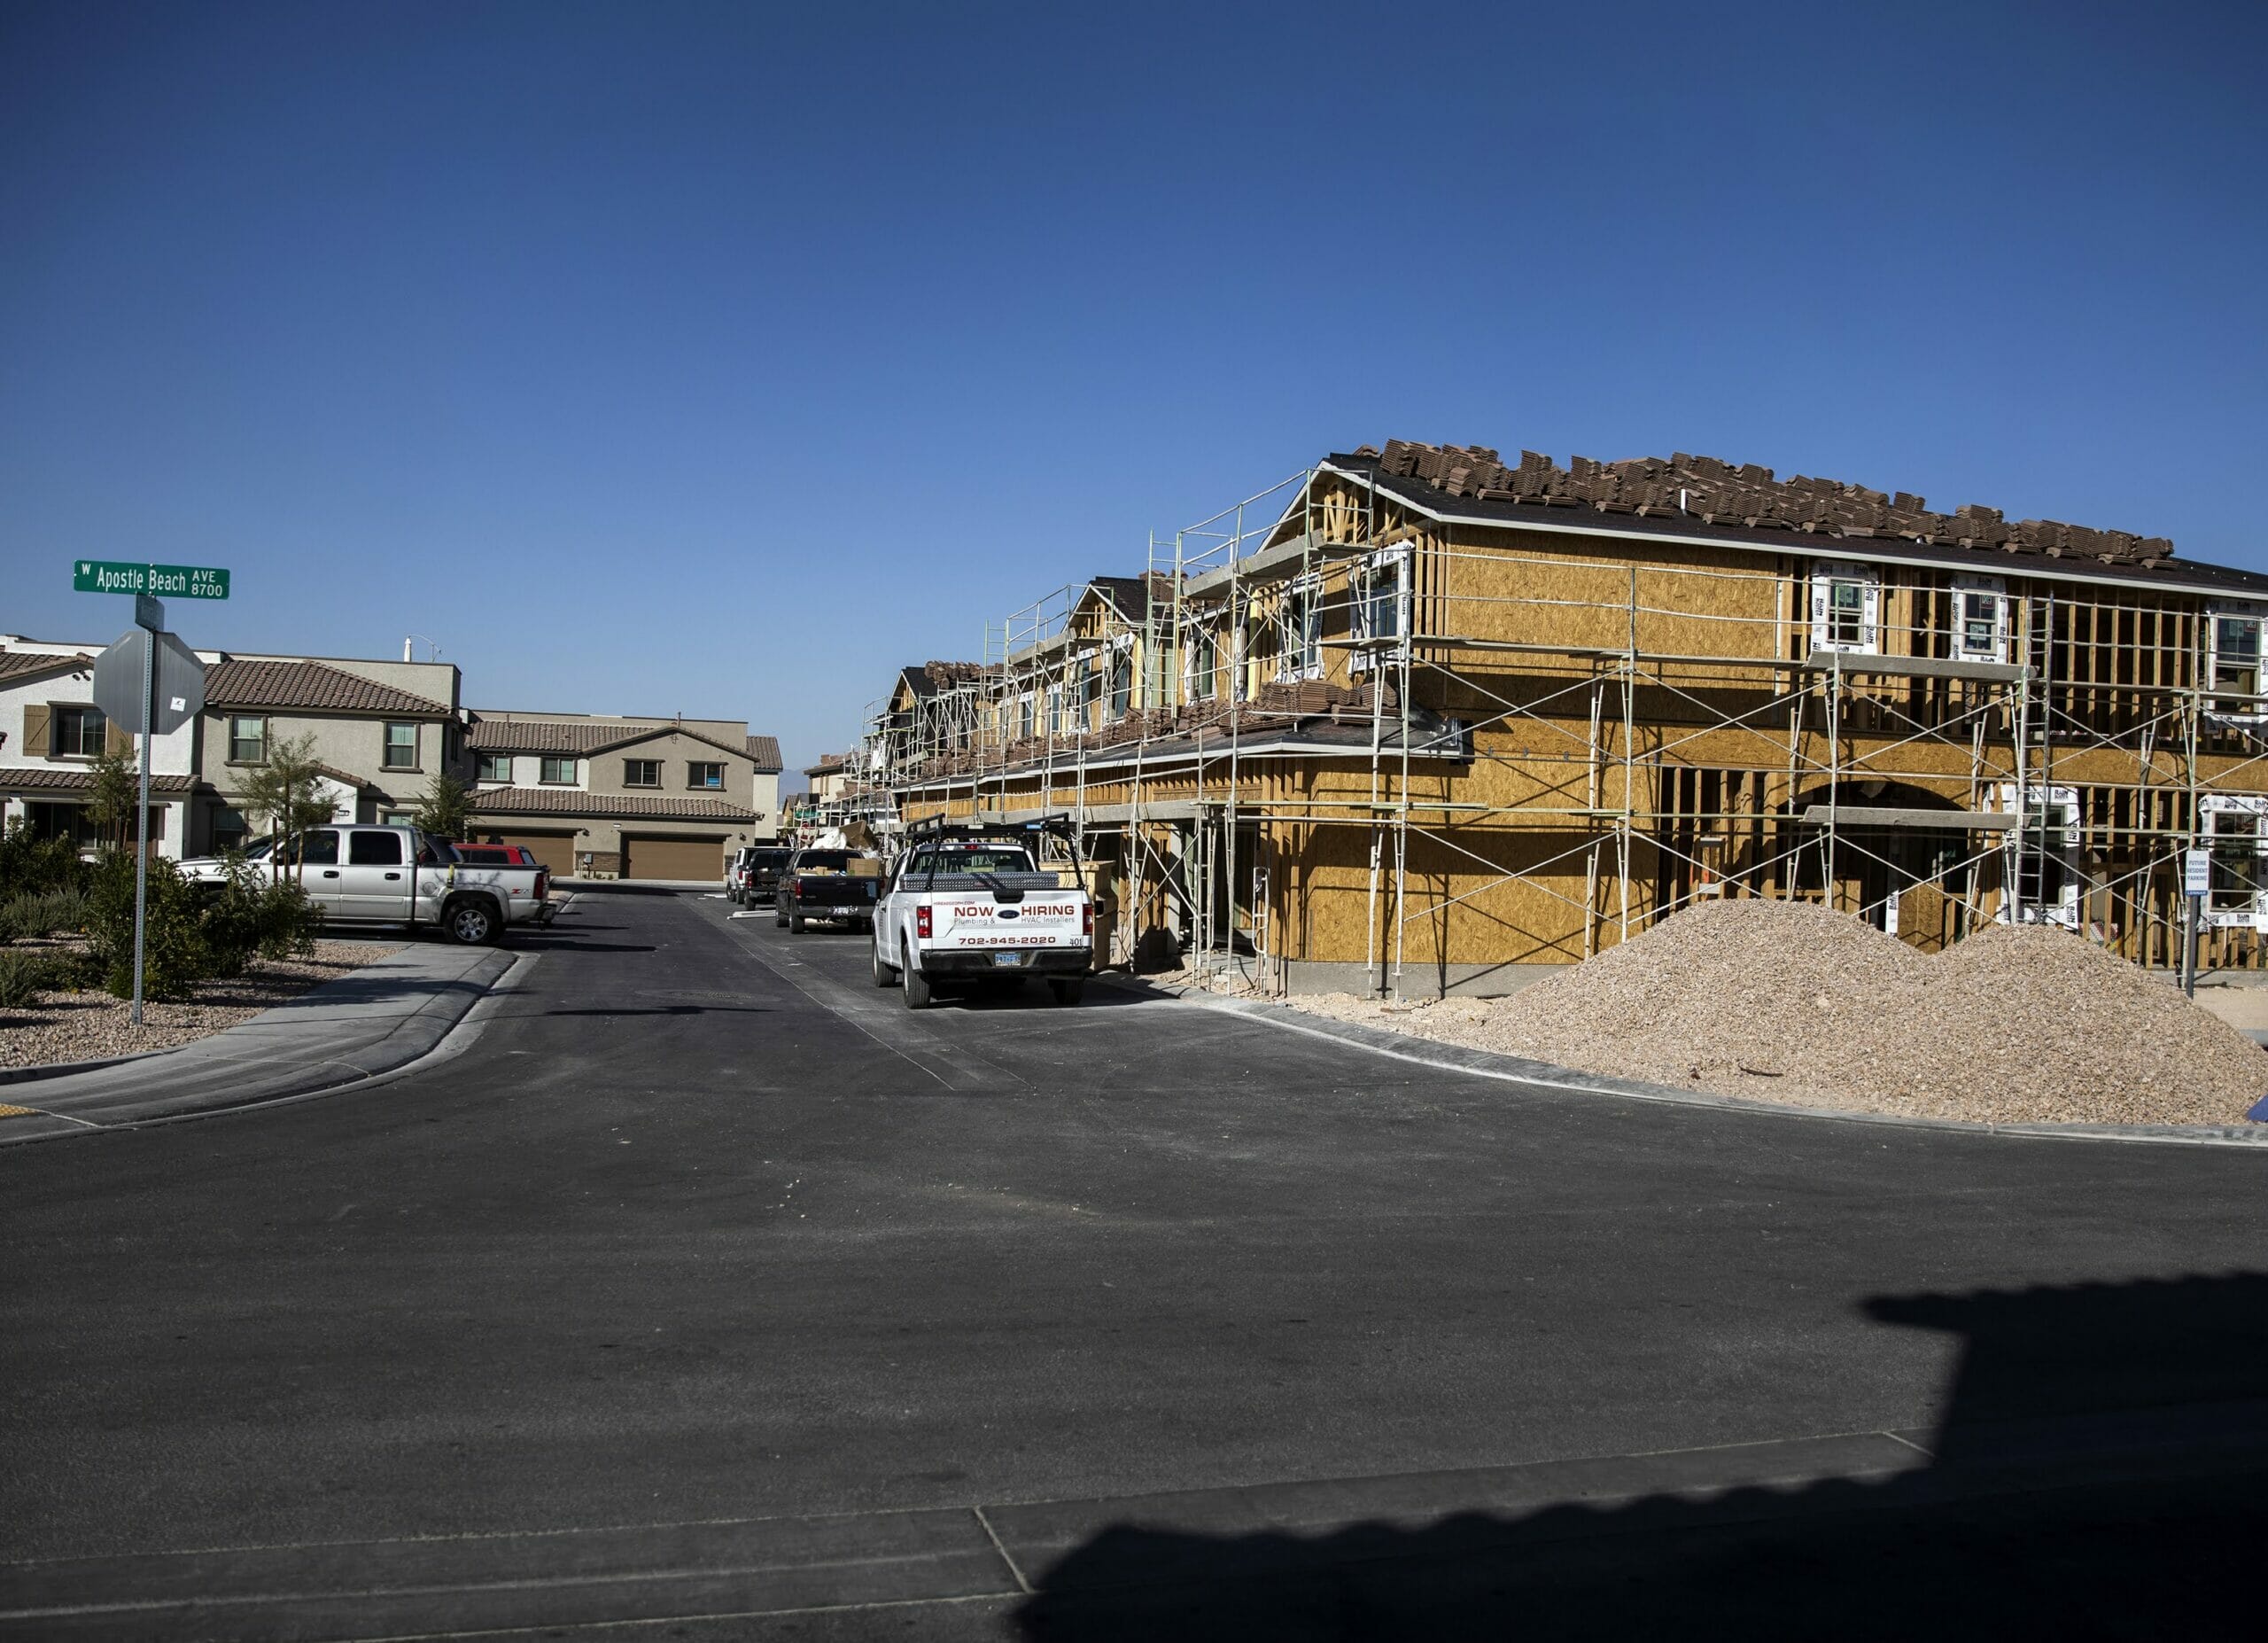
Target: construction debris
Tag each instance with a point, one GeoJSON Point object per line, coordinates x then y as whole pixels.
{"type": "Point", "coordinates": [1719, 493]}
{"type": "Point", "coordinates": [1785, 1001]}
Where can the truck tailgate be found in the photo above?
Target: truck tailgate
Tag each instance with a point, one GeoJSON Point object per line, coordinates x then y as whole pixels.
{"type": "Point", "coordinates": [1043, 919]}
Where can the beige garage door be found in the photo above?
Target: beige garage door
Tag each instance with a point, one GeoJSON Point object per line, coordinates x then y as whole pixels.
{"type": "Point", "coordinates": [674, 858]}
{"type": "Point", "coordinates": [555, 851]}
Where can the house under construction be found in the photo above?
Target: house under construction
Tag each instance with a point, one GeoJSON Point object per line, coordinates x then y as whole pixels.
{"type": "Point", "coordinates": [1416, 721]}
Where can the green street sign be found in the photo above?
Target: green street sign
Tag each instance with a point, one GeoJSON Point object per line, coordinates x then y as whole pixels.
{"type": "Point", "coordinates": [177, 582]}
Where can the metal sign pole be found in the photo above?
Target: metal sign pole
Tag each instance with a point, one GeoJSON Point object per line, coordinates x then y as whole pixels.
{"type": "Point", "coordinates": [142, 811]}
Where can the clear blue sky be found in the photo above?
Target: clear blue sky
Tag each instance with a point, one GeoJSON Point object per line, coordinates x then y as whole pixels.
{"type": "Point", "coordinates": [719, 359]}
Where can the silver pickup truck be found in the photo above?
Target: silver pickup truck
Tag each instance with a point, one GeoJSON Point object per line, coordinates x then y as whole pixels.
{"type": "Point", "coordinates": [397, 875]}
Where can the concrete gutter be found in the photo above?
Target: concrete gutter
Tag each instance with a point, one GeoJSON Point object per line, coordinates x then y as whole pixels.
{"type": "Point", "coordinates": [1461, 1059]}
{"type": "Point", "coordinates": [385, 1017]}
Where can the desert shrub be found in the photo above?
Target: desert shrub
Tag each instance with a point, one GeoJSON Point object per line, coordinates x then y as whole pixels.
{"type": "Point", "coordinates": [52, 913]}
{"type": "Point", "coordinates": [33, 867]}
{"type": "Point", "coordinates": [175, 953]}
{"type": "Point", "coordinates": [246, 915]}
{"type": "Point", "coordinates": [22, 975]}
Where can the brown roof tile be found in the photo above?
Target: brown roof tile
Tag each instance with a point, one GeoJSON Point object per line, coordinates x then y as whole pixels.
{"type": "Point", "coordinates": [235, 682]}
{"type": "Point", "coordinates": [527, 801]}
{"type": "Point", "coordinates": [18, 664]}
{"type": "Point", "coordinates": [765, 751]}
{"type": "Point", "coordinates": [74, 779]}
{"type": "Point", "coordinates": [493, 734]}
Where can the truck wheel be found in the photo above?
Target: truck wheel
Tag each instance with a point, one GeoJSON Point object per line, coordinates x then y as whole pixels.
{"type": "Point", "coordinates": [884, 976]}
{"type": "Point", "coordinates": [470, 923]}
{"type": "Point", "coordinates": [1067, 992]}
{"type": "Point", "coordinates": [779, 916]}
{"type": "Point", "coordinates": [917, 992]}
{"type": "Point", "coordinates": [796, 922]}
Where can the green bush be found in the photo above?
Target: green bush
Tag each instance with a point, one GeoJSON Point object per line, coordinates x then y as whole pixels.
{"type": "Point", "coordinates": [246, 915]}
{"type": "Point", "coordinates": [53, 912]}
{"type": "Point", "coordinates": [34, 867]}
{"type": "Point", "coordinates": [175, 953]}
{"type": "Point", "coordinates": [22, 975]}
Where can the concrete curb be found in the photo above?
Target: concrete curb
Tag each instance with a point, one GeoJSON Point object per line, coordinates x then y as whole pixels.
{"type": "Point", "coordinates": [428, 1006]}
{"type": "Point", "coordinates": [64, 1068]}
{"type": "Point", "coordinates": [1517, 1070]}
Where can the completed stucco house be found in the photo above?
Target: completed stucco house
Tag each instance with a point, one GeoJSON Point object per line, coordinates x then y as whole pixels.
{"type": "Point", "coordinates": [381, 731]}
{"type": "Point", "coordinates": [51, 735]}
{"type": "Point", "coordinates": [606, 796]}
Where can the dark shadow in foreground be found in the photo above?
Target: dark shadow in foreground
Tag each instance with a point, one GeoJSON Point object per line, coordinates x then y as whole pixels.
{"type": "Point", "coordinates": [2098, 1473]}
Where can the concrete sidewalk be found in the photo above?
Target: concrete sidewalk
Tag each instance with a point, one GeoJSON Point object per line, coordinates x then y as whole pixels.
{"type": "Point", "coordinates": [380, 1018]}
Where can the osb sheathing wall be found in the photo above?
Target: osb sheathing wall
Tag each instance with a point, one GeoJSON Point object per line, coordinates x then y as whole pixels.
{"type": "Point", "coordinates": [1712, 751]}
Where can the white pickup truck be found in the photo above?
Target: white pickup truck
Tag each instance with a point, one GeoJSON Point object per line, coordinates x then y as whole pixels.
{"type": "Point", "coordinates": [397, 875]}
{"type": "Point", "coordinates": [965, 903]}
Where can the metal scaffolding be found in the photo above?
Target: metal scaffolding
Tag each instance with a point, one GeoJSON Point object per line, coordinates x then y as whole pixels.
{"type": "Point", "coordinates": [1693, 736]}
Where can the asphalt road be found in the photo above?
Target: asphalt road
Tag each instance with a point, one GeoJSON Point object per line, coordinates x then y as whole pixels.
{"type": "Point", "coordinates": [705, 1228]}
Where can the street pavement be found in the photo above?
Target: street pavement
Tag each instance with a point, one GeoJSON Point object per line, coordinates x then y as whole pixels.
{"type": "Point", "coordinates": [708, 1269]}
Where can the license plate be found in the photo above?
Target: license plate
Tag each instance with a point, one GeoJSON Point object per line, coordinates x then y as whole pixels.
{"type": "Point", "coordinates": [1009, 960]}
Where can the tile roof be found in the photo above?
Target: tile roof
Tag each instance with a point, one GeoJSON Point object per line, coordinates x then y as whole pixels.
{"type": "Point", "coordinates": [524, 801]}
{"type": "Point", "coordinates": [20, 664]}
{"type": "Point", "coordinates": [234, 682]}
{"type": "Point", "coordinates": [502, 733]}
{"type": "Point", "coordinates": [1719, 493]}
{"type": "Point", "coordinates": [499, 735]}
{"type": "Point", "coordinates": [74, 779]}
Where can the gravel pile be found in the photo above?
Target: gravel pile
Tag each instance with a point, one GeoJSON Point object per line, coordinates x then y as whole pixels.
{"type": "Point", "coordinates": [88, 1026]}
{"type": "Point", "coordinates": [1785, 1001]}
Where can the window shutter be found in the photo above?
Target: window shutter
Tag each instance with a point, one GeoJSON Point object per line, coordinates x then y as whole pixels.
{"type": "Point", "coordinates": [115, 740]}
{"type": "Point", "coordinates": [39, 730]}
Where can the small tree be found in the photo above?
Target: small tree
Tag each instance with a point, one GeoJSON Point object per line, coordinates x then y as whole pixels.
{"type": "Point", "coordinates": [447, 810]}
{"type": "Point", "coordinates": [110, 805]}
{"type": "Point", "coordinates": [285, 791]}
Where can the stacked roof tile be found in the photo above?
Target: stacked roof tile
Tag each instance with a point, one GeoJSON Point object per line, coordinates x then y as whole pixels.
{"type": "Point", "coordinates": [1719, 493]}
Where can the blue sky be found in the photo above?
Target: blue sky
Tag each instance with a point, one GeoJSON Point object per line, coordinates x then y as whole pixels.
{"type": "Point", "coordinates": [721, 359]}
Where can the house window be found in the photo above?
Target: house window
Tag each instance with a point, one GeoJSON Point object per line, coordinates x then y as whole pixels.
{"type": "Point", "coordinates": [699, 775]}
{"type": "Point", "coordinates": [1300, 632]}
{"type": "Point", "coordinates": [397, 818]}
{"type": "Point", "coordinates": [1055, 725]}
{"type": "Point", "coordinates": [1980, 622]}
{"type": "Point", "coordinates": [558, 772]}
{"type": "Point", "coordinates": [50, 820]}
{"type": "Point", "coordinates": [2046, 880]}
{"type": "Point", "coordinates": [1379, 592]}
{"type": "Point", "coordinates": [229, 831]}
{"type": "Point", "coordinates": [1204, 665]}
{"type": "Point", "coordinates": [2236, 880]}
{"type": "Point", "coordinates": [78, 732]}
{"type": "Point", "coordinates": [495, 767]}
{"type": "Point", "coordinates": [641, 773]}
{"type": "Point", "coordinates": [1121, 682]}
{"type": "Point", "coordinates": [401, 747]}
{"type": "Point", "coordinates": [1026, 714]}
{"type": "Point", "coordinates": [1846, 609]}
{"type": "Point", "coordinates": [247, 739]}
{"type": "Point", "coordinates": [2235, 662]}
{"type": "Point", "coordinates": [2236, 834]}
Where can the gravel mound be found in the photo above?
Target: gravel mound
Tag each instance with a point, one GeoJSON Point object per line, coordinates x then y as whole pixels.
{"type": "Point", "coordinates": [1786, 1001]}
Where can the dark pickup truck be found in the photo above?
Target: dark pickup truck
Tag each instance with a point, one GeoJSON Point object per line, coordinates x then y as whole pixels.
{"type": "Point", "coordinates": [839, 885]}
